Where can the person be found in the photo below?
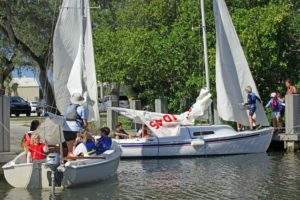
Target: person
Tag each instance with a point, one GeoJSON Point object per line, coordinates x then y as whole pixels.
{"type": "Point", "coordinates": [144, 132]}
{"type": "Point", "coordinates": [281, 108]}
{"type": "Point", "coordinates": [120, 132]}
{"type": "Point", "coordinates": [27, 136]}
{"type": "Point", "coordinates": [104, 142]}
{"type": "Point", "coordinates": [37, 149]}
{"type": "Point", "coordinates": [84, 144]}
{"type": "Point", "coordinates": [290, 88]}
{"type": "Point", "coordinates": [76, 120]}
{"type": "Point", "coordinates": [274, 104]}
{"type": "Point", "coordinates": [251, 105]}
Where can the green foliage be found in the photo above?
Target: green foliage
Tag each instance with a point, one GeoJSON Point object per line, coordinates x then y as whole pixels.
{"type": "Point", "coordinates": [155, 47]}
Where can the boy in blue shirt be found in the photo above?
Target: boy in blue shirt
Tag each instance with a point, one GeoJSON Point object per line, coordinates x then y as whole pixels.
{"type": "Point", "coordinates": [104, 143]}
{"type": "Point", "coordinates": [251, 105]}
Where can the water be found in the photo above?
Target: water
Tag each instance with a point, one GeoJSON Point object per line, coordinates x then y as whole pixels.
{"type": "Point", "coordinates": [260, 176]}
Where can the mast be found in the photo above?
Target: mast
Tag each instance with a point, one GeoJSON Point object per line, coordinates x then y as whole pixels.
{"type": "Point", "coordinates": [204, 44]}
{"type": "Point", "coordinates": [84, 24]}
{"type": "Point", "coordinates": [210, 114]}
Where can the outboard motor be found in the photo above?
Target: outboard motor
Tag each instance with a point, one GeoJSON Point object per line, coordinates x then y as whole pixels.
{"type": "Point", "coordinates": [53, 161]}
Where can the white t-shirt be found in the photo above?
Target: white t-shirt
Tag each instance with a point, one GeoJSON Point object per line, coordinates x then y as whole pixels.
{"type": "Point", "coordinates": [80, 148]}
{"type": "Point", "coordinates": [74, 125]}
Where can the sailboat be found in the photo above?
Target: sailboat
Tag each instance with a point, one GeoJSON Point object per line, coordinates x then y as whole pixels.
{"type": "Point", "coordinates": [73, 72]}
{"type": "Point", "coordinates": [177, 135]}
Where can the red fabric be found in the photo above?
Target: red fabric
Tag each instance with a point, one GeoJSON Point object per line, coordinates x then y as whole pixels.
{"type": "Point", "coordinates": [37, 152]}
{"type": "Point", "coordinates": [26, 140]}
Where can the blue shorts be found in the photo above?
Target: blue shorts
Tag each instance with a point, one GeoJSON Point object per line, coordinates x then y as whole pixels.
{"type": "Point", "coordinates": [251, 111]}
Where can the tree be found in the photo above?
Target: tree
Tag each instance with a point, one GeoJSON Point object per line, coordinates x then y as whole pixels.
{"type": "Point", "coordinates": [28, 28]}
{"type": "Point", "coordinates": [155, 48]}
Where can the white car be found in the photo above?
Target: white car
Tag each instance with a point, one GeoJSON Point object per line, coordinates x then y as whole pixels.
{"type": "Point", "coordinates": [34, 105]}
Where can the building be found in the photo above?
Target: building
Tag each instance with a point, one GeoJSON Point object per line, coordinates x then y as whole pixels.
{"type": "Point", "coordinates": [27, 88]}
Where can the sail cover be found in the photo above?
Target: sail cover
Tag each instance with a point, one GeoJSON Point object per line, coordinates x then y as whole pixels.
{"type": "Point", "coordinates": [233, 74]}
{"type": "Point", "coordinates": [168, 124]}
{"type": "Point", "coordinates": [73, 59]}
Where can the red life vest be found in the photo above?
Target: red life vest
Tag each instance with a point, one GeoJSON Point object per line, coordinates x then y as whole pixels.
{"type": "Point", "coordinates": [37, 152]}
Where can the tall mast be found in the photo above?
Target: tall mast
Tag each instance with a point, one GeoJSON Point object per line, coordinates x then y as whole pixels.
{"type": "Point", "coordinates": [204, 45]}
{"type": "Point", "coordinates": [210, 113]}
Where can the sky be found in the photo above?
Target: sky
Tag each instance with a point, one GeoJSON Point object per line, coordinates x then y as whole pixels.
{"type": "Point", "coordinates": [27, 72]}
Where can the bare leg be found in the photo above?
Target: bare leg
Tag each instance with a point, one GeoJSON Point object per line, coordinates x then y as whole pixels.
{"type": "Point", "coordinates": [250, 122]}
{"type": "Point", "coordinates": [28, 157]}
{"type": "Point", "coordinates": [238, 127]}
{"type": "Point", "coordinates": [70, 145]}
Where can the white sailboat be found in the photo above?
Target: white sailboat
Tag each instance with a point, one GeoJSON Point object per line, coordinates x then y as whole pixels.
{"type": "Point", "coordinates": [73, 72]}
{"type": "Point", "coordinates": [176, 135]}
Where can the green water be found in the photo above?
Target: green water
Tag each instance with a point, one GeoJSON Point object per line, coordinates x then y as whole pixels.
{"type": "Point", "coordinates": [259, 176]}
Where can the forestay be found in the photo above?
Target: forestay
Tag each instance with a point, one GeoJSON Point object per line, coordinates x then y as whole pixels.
{"type": "Point", "coordinates": [168, 124]}
{"type": "Point", "coordinates": [232, 71]}
{"type": "Point", "coordinates": [73, 57]}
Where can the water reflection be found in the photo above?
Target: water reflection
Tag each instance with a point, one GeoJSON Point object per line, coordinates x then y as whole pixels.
{"type": "Point", "coordinates": [258, 176]}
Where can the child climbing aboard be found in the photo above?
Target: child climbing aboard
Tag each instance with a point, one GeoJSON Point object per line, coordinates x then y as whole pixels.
{"type": "Point", "coordinates": [275, 105]}
{"type": "Point", "coordinates": [37, 149]}
{"type": "Point", "coordinates": [27, 136]}
{"type": "Point", "coordinates": [251, 105]}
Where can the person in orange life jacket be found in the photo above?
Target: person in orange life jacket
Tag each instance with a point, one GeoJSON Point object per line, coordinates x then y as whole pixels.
{"type": "Point", "coordinates": [104, 142]}
{"type": "Point", "coordinates": [26, 138]}
{"type": "Point", "coordinates": [84, 144]}
{"type": "Point", "coordinates": [37, 149]}
{"type": "Point", "coordinates": [251, 105]}
{"type": "Point", "coordinates": [275, 105]}
{"type": "Point", "coordinates": [76, 120]}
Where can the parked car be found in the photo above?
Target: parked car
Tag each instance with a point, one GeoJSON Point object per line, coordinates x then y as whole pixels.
{"type": "Point", "coordinates": [106, 102]}
{"type": "Point", "coordinates": [37, 107]}
{"type": "Point", "coordinates": [123, 102]}
{"type": "Point", "coordinates": [19, 106]}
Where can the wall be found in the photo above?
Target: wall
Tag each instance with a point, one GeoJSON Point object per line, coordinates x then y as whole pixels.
{"type": "Point", "coordinates": [29, 93]}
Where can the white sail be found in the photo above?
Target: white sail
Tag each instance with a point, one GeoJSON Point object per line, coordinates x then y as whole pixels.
{"type": "Point", "coordinates": [90, 72]}
{"type": "Point", "coordinates": [66, 44]}
{"type": "Point", "coordinates": [232, 71]}
{"type": "Point", "coordinates": [73, 59]}
{"type": "Point", "coordinates": [168, 124]}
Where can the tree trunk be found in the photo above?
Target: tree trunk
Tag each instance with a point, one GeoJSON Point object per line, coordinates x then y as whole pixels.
{"type": "Point", "coordinates": [47, 91]}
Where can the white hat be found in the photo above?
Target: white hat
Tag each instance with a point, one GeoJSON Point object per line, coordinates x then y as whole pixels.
{"type": "Point", "coordinates": [77, 98]}
{"type": "Point", "coordinates": [273, 94]}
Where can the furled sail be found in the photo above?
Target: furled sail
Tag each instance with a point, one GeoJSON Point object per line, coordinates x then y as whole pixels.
{"type": "Point", "coordinates": [73, 59]}
{"type": "Point", "coordinates": [233, 74]}
{"type": "Point", "coordinates": [168, 124]}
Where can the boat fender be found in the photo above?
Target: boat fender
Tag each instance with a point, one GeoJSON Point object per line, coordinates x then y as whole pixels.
{"type": "Point", "coordinates": [197, 143]}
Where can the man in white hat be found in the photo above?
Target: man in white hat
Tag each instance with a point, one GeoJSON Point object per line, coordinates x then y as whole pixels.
{"type": "Point", "coordinates": [76, 120]}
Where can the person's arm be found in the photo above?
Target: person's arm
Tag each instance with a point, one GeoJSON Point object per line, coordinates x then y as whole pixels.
{"type": "Point", "coordinates": [29, 157]}
{"type": "Point", "coordinates": [83, 113]}
{"type": "Point", "coordinates": [258, 99]}
{"type": "Point", "coordinates": [45, 147]}
{"type": "Point", "coordinates": [295, 90]}
{"type": "Point", "coordinates": [268, 104]}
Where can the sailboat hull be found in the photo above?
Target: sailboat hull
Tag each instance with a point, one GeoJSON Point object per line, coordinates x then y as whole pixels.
{"type": "Point", "coordinates": [20, 174]}
{"type": "Point", "coordinates": [199, 141]}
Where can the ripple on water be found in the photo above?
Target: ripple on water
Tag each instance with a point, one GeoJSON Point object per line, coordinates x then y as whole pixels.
{"type": "Point", "coordinates": [259, 176]}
